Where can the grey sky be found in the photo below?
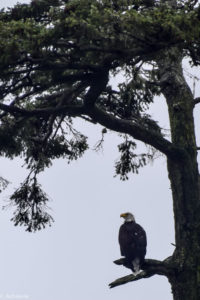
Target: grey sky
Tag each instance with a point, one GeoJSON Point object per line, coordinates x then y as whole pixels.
{"type": "Point", "coordinates": [73, 259]}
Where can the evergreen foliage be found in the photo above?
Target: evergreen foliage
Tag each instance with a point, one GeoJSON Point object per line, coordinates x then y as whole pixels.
{"type": "Point", "coordinates": [56, 59]}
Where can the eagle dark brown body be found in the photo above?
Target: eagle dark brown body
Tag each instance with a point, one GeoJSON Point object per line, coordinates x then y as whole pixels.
{"type": "Point", "coordinates": [133, 242]}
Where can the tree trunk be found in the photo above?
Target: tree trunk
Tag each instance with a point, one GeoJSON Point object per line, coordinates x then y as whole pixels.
{"type": "Point", "coordinates": [184, 178]}
{"type": "Point", "coordinates": [186, 279]}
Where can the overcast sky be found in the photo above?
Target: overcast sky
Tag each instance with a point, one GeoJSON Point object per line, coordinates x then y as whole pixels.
{"type": "Point", "coordinates": [73, 259]}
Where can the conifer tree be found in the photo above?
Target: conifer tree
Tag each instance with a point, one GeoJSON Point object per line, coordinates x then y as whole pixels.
{"type": "Point", "coordinates": [56, 60]}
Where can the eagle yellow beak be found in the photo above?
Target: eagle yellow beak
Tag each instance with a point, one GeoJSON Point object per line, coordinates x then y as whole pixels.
{"type": "Point", "coordinates": [123, 215]}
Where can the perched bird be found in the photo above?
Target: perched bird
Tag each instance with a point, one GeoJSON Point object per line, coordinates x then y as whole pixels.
{"type": "Point", "coordinates": [133, 242]}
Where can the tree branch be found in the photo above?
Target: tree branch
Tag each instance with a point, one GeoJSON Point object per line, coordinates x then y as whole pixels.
{"type": "Point", "coordinates": [109, 121]}
{"type": "Point", "coordinates": [138, 132]}
{"type": "Point", "coordinates": [150, 268]}
{"type": "Point", "coordinates": [88, 108]}
{"type": "Point", "coordinates": [69, 109]}
{"type": "Point", "coordinates": [98, 85]}
{"type": "Point", "coordinates": [196, 100]}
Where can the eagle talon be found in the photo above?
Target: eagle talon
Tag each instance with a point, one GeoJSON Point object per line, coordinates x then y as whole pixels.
{"type": "Point", "coordinates": [137, 273]}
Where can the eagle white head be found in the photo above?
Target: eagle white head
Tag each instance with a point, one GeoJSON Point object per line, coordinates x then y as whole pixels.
{"type": "Point", "coordinates": [128, 217]}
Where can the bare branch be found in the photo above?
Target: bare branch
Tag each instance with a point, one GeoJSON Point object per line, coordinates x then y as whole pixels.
{"type": "Point", "coordinates": [150, 268]}
{"type": "Point", "coordinates": [196, 100]}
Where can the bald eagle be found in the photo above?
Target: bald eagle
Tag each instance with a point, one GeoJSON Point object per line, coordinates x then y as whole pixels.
{"type": "Point", "coordinates": [133, 242]}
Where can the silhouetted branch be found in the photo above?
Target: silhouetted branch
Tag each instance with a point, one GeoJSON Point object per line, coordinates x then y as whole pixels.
{"type": "Point", "coordinates": [196, 100]}
{"type": "Point", "coordinates": [150, 268]}
{"type": "Point", "coordinates": [137, 131]}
